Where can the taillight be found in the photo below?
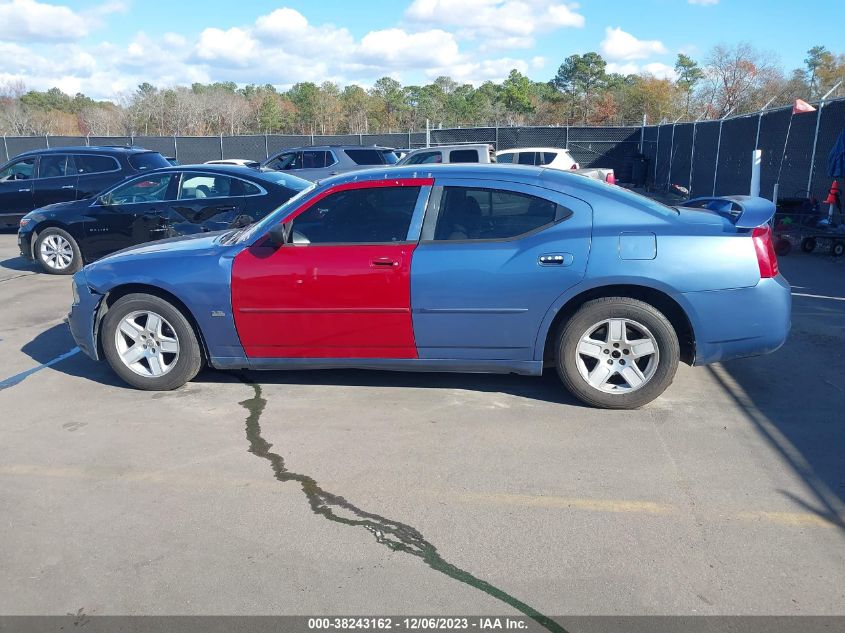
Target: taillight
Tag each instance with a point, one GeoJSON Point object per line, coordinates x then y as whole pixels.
{"type": "Point", "coordinates": [610, 179]}
{"type": "Point", "coordinates": [574, 166]}
{"type": "Point", "coordinates": [765, 249]}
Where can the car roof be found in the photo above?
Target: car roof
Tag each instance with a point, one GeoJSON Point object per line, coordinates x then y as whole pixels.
{"type": "Point", "coordinates": [241, 171]}
{"type": "Point", "coordinates": [533, 149]}
{"type": "Point", "coordinates": [84, 149]}
{"type": "Point", "coordinates": [450, 147]}
{"type": "Point", "coordinates": [326, 147]}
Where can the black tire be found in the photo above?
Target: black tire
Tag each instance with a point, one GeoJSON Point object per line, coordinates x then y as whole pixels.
{"type": "Point", "coordinates": [782, 247]}
{"type": "Point", "coordinates": [838, 249]}
{"type": "Point", "coordinates": [187, 362]}
{"type": "Point", "coordinates": [636, 312]}
{"type": "Point", "coordinates": [54, 268]}
{"type": "Point", "coordinates": [808, 244]}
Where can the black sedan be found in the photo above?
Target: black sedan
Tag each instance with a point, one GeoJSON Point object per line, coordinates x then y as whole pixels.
{"type": "Point", "coordinates": [158, 204]}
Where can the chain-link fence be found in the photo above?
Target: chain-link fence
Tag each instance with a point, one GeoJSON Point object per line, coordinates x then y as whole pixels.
{"type": "Point", "coordinates": [707, 157]}
{"type": "Point", "coordinates": [714, 157]}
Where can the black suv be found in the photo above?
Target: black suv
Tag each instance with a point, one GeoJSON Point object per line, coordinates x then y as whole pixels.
{"type": "Point", "coordinates": [45, 176]}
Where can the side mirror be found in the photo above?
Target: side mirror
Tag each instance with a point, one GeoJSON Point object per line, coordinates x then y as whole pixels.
{"type": "Point", "coordinates": [278, 234]}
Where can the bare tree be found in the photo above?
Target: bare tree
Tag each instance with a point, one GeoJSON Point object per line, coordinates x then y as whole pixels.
{"type": "Point", "coordinates": [735, 78]}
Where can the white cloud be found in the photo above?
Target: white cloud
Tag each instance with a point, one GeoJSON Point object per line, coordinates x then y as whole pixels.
{"type": "Point", "coordinates": [502, 23]}
{"type": "Point", "coordinates": [655, 69]}
{"type": "Point", "coordinates": [620, 45]}
{"type": "Point", "coordinates": [478, 72]}
{"type": "Point", "coordinates": [704, 3]}
{"type": "Point", "coordinates": [396, 48]}
{"type": "Point", "coordinates": [28, 20]}
{"type": "Point", "coordinates": [234, 46]}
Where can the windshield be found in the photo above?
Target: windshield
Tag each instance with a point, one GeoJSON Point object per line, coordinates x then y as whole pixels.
{"type": "Point", "coordinates": [248, 234]}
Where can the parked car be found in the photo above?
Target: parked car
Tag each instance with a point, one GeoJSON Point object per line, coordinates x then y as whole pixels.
{"type": "Point", "coordinates": [41, 177]}
{"type": "Point", "coordinates": [243, 162]}
{"type": "Point", "coordinates": [172, 160]}
{"type": "Point", "coordinates": [156, 205]}
{"type": "Point", "coordinates": [554, 158]}
{"type": "Point", "coordinates": [479, 153]}
{"type": "Point", "coordinates": [466, 268]}
{"type": "Point", "coordinates": [314, 163]}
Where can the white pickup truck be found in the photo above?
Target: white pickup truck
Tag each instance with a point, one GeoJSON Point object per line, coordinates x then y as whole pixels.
{"type": "Point", "coordinates": [554, 158]}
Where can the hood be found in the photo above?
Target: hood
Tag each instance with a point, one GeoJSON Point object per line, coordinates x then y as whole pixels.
{"type": "Point", "coordinates": [180, 246]}
{"type": "Point", "coordinates": [57, 209]}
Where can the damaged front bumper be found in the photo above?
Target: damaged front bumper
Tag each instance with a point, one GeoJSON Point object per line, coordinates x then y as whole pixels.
{"type": "Point", "coordinates": [82, 318]}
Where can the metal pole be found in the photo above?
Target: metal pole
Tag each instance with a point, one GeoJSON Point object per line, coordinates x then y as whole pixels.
{"type": "Point", "coordinates": [642, 135]}
{"type": "Point", "coordinates": [266, 146]}
{"type": "Point", "coordinates": [692, 156]}
{"type": "Point", "coordinates": [718, 149]}
{"type": "Point", "coordinates": [816, 135]}
{"type": "Point", "coordinates": [47, 139]}
{"type": "Point", "coordinates": [175, 148]}
{"type": "Point", "coordinates": [656, 155]}
{"type": "Point", "coordinates": [497, 137]}
{"type": "Point", "coordinates": [760, 120]}
{"type": "Point", "coordinates": [428, 133]}
{"type": "Point", "coordinates": [756, 159]}
{"type": "Point", "coordinates": [5, 147]}
{"type": "Point", "coordinates": [221, 147]}
{"type": "Point", "coordinates": [567, 137]}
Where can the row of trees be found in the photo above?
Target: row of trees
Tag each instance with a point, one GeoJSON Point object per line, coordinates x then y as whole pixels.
{"type": "Point", "coordinates": [731, 79]}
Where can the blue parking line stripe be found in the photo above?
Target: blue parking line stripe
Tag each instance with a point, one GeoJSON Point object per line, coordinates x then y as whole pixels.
{"type": "Point", "coordinates": [17, 378]}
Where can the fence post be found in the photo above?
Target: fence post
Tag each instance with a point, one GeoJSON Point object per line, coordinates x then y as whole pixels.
{"type": "Point", "coordinates": [266, 146]}
{"type": "Point", "coordinates": [567, 137]}
{"type": "Point", "coordinates": [409, 138]}
{"type": "Point", "coordinates": [692, 157]}
{"type": "Point", "coordinates": [312, 139]}
{"type": "Point", "coordinates": [497, 137]}
{"type": "Point", "coordinates": [88, 139]}
{"type": "Point", "coordinates": [47, 139]}
{"type": "Point", "coordinates": [816, 137]}
{"type": "Point", "coordinates": [656, 155]}
{"type": "Point", "coordinates": [5, 147]}
{"type": "Point", "coordinates": [759, 121]}
{"type": "Point", "coordinates": [718, 149]}
{"type": "Point", "coordinates": [175, 148]}
{"type": "Point", "coordinates": [221, 147]}
{"type": "Point", "coordinates": [360, 138]}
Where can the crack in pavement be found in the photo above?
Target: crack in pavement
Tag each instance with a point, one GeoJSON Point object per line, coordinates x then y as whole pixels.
{"type": "Point", "coordinates": [392, 534]}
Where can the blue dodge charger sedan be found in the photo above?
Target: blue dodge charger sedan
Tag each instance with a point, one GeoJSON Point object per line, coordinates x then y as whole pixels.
{"type": "Point", "coordinates": [467, 268]}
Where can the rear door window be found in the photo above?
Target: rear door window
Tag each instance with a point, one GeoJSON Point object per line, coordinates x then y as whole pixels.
{"type": "Point", "coordinates": [527, 158]}
{"type": "Point", "coordinates": [546, 157]}
{"type": "Point", "coordinates": [200, 186]}
{"type": "Point", "coordinates": [94, 163]}
{"type": "Point", "coordinates": [286, 161]}
{"type": "Point", "coordinates": [463, 156]}
{"type": "Point", "coordinates": [468, 213]}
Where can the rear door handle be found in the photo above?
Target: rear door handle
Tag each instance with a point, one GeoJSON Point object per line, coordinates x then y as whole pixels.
{"type": "Point", "coordinates": [385, 262]}
{"type": "Point", "coordinates": [68, 186]}
{"type": "Point", "coordinates": [555, 259]}
{"type": "Point", "coordinates": [23, 190]}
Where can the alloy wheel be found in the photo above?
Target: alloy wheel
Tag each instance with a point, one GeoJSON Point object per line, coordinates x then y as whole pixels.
{"type": "Point", "coordinates": [147, 343]}
{"type": "Point", "coordinates": [56, 252]}
{"type": "Point", "coordinates": [617, 356]}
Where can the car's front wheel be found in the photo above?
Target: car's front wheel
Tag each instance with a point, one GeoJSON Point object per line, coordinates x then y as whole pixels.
{"type": "Point", "coordinates": [149, 343]}
{"type": "Point", "coordinates": [617, 353]}
{"type": "Point", "coordinates": [57, 252]}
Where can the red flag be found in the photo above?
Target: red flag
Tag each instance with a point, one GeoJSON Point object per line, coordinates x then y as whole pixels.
{"type": "Point", "coordinates": [800, 106]}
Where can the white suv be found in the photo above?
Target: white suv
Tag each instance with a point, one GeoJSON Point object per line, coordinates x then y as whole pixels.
{"type": "Point", "coordinates": [552, 157]}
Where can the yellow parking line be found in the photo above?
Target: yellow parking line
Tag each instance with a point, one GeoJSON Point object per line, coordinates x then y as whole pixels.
{"type": "Point", "coordinates": [599, 505]}
{"type": "Point", "coordinates": [797, 519]}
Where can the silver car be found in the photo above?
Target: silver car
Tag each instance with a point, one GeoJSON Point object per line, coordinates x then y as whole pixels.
{"type": "Point", "coordinates": [317, 162]}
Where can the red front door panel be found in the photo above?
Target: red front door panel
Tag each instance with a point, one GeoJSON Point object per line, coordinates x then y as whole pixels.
{"type": "Point", "coordinates": [332, 301]}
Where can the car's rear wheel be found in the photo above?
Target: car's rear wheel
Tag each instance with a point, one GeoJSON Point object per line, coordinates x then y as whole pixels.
{"type": "Point", "coordinates": [838, 249]}
{"type": "Point", "coordinates": [57, 252]}
{"type": "Point", "coordinates": [617, 353]}
{"type": "Point", "coordinates": [149, 343]}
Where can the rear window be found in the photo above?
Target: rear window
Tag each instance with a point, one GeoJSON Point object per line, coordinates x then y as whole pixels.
{"type": "Point", "coordinates": [367, 156]}
{"type": "Point", "coordinates": [463, 156]}
{"type": "Point", "coordinates": [147, 160]}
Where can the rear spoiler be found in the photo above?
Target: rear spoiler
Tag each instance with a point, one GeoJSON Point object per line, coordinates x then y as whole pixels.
{"type": "Point", "coordinates": [746, 212]}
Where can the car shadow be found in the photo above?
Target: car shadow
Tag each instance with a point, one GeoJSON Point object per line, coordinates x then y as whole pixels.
{"type": "Point", "coordinates": [57, 340]}
{"type": "Point", "coordinates": [794, 397]}
{"type": "Point", "coordinates": [19, 264]}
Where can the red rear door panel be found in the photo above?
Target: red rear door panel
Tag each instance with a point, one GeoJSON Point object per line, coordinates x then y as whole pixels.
{"type": "Point", "coordinates": [332, 301]}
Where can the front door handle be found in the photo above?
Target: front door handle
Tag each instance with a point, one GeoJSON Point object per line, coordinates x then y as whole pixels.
{"type": "Point", "coordinates": [387, 262]}
{"type": "Point", "coordinates": [68, 186]}
{"type": "Point", "coordinates": [23, 190]}
{"type": "Point", "coordinates": [555, 259]}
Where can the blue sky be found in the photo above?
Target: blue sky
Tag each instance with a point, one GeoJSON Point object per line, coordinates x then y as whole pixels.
{"type": "Point", "coordinates": [106, 47]}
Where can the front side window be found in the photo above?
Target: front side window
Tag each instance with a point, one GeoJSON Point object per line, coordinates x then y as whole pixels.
{"type": "Point", "coordinates": [198, 186]}
{"type": "Point", "coordinates": [286, 161]}
{"type": "Point", "coordinates": [316, 159]}
{"type": "Point", "coordinates": [507, 157]}
{"type": "Point", "coordinates": [425, 158]}
{"type": "Point", "coordinates": [94, 164]}
{"type": "Point", "coordinates": [358, 216]}
{"type": "Point", "coordinates": [20, 170]}
{"type": "Point", "coordinates": [148, 189]}
{"type": "Point", "coordinates": [491, 214]}
{"type": "Point", "coordinates": [55, 166]}
{"type": "Point", "coordinates": [463, 156]}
